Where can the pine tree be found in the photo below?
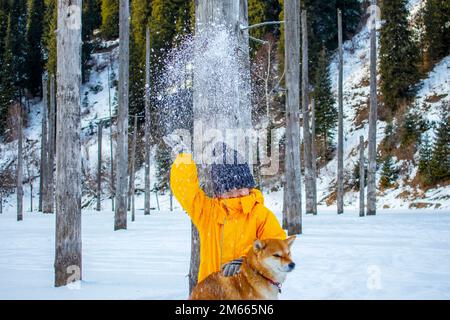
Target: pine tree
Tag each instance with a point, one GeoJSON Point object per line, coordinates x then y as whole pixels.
{"type": "Point", "coordinates": [326, 112]}
{"type": "Point", "coordinates": [440, 158]}
{"type": "Point", "coordinates": [163, 161]}
{"type": "Point", "coordinates": [261, 11]}
{"type": "Point", "coordinates": [388, 173]}
{"type": "Point", "coordinates": [4, 11]}
{"type": "Point", "coordinates": [162, 26]}
{"type": "Point", "coordinates": [34, 46]}
{"type": "Point", "coordinates": [7, 90]}
{"type": "Point", "coordinates": [110, 19]}
{"type": "Point", "coordinates": [322, 25]}
{"type": "Point", "coordinates": [399, 55]}
{"type": "Point", "coordinates": [184, 18]}
{"type": "Point", "coordinates": [412, 127]}
{"type": "Point", "coordinates": [5, 80]}
{"type": "Point", "coordinates": [14, 69]}
{"type": "Point", "coordinates": [140, 14]}
{"type": "Point", "coordinates": [389, 140]}
{"type": "Point", "coordinates": [16, 43]}
{"type": "Point", "coordinates": [437, 28]}
{"type": "Point", "coordinates": [91, 21]}
{"type": "Point", "coordinates": [425, 152]}
{"type": "Point", "coordinates": [50, 20]}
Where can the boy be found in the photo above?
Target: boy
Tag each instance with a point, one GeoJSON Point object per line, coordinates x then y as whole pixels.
{"type": "Point", "coordinates": [229, 222]}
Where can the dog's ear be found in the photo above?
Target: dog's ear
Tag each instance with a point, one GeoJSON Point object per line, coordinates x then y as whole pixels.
{"type": "Point", "coordinates": [258, 245]}
{"type": "Point", "coordinates": [290, 240]}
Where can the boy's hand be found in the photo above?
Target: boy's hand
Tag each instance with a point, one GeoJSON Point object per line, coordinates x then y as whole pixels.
{"type": "Point", "coordinates": [231, 268]}
{"type": "Point", "coordinates": [174, 142]}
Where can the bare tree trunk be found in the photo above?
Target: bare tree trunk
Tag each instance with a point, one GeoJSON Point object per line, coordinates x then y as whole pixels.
{"type": "Point", "coordinates": [49, 197]}
{"type": "Point", "coordinates": [171, 200]}
{"type": "Point", "coordinates": [195, 258]}
{"type": "Point", "coordinates": [314, 152]}
{"type": "Point", "coordinates": [120, 221]}
{"type": "Point", "coordinates": [361, 176]}
{"type": "Point", "coordinates": [157, 201]}
{"type": "Point", "coordinates": [285, 217]}
{"type": "Point", "coordinates": [19, 172]}
{"type": "Point", "coordinates": [68, 146]}
{"type": "Point", "coordinates": [30, 181]}
{"type": "Point", "coordinates": [99, 165]}
{"type": "Point", "coordinates": [133, 168]}
{"type": "Point", "coordinates": [44, 143]}
{"type": "Point", "coordinates": [372, 149]}
{"type": "Point", "coordinates": [147, 124]}
{"type": "Point", "coordinates": [292, 161]}
{"type": "Point", "coordinates": [340, 159]}
{"type": "Point", "coordinates": [111, 136]}
{"type": "Point", "coordinates": [307, 144]}
{"type": "Point", "coordinates": [232, 14]}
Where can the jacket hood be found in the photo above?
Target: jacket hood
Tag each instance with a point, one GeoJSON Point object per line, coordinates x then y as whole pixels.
{"type": "Point", "coordinates": [239, 205]}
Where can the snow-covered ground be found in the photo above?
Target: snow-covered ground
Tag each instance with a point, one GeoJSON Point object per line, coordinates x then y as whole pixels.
{"type": "Point", "coordinates": [394, 255]}
{"type": "Point", "coordinates": [399, 253]}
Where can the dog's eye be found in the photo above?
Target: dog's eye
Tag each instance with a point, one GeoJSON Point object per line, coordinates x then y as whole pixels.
{"type": "Point", "coordinates": [276, 255]}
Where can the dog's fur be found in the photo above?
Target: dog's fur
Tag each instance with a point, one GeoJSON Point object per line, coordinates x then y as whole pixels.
{"type": "Point", "coordinates": [267, 259]}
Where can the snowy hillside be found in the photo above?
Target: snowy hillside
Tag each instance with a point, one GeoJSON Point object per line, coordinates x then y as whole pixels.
{"type": "Point", "coordinates": [356, 96]}
{"type": "Point", "coordinates": [99, 94]}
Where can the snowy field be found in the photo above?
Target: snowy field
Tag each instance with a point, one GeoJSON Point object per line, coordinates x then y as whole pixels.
{"type": "Point", "coordinates": [394, 255]}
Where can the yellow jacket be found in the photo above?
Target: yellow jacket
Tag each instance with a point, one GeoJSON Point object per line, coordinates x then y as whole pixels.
{"type": "Point", "coordinates": [227, 227]}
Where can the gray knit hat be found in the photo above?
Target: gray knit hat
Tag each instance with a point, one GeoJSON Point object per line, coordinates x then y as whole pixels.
{"type": "Point", "coordinates": [227, 176]}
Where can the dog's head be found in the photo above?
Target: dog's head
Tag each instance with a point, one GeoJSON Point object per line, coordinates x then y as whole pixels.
{"type": "Point", "coordinates": [272, 257]}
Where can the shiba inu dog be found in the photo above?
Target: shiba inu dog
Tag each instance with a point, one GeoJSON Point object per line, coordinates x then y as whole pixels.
{"type": "Point", "coordinates": [262, 273]}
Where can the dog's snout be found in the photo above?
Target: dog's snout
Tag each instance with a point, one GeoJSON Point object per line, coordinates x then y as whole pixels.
{"type": "Point", "coordinates": [291, 265]}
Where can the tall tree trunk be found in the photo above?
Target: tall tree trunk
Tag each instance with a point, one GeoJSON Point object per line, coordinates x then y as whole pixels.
{"type": "Point", "coordinates": [231, 14]}
{"type": "Point", "coordinates": [49, 197]}
{"type": "Point", "coordinates": [30, 182]}
{"type": "Point", "coordinates": [147, 123]}
{"type": "Point", "coordinates": [68, 146]}
{"type": "Point", "coordinates": [133, 167]}
{"type": "Point", "coordinates": [19, 172]}
{"type": "Point", "coordinates": [372, 148]}
{"type": "Point", "coordinates": [361, 176]}
{"type": "Point", "coordinates": [120, 221]}
{"type": "Point", "coordinates": [195, 258]}
{"type": "Point", "coordinates": [99, 165]}
{"type": "Point", "coordinates": [307, 145]}
{"type": "Point", "coordinates": [292, 150]}
{"type": "Point", "coordinates": [44, 143]}
{"type": "Point", "coordinates": [157, 201]}
{"type": "Point", "coordinates": [111, 137]}
{"type": "Point", "coordinates": [340, 159]}
{"type": "Point", "coordinates": [285, 217]}
{"type": "Point", "coordinates": [314, 151]}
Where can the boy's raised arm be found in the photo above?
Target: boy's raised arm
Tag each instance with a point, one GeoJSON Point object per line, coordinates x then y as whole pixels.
{"type": "Point", "coordinates": [185, 186]}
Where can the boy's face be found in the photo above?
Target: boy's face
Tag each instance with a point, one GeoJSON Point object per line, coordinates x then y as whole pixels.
{"type": "Point", "coordinates": [235, 193]}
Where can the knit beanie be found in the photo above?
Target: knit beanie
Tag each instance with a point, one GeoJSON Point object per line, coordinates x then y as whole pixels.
{"type": "Point", "coordinates": [228, 176]}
